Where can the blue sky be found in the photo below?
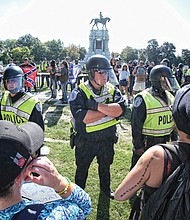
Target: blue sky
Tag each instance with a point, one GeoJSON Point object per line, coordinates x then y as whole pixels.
{"type": "Point", "coordinates": [132, 23]}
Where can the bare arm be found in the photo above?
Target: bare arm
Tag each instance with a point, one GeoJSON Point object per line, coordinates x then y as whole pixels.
{"type": "Point", "coordinates": [148, 170]}
{"type": "Point", "coordinates": [134, 71]}
{"type": "Point", "coordinates": [113, 109]}
{"type": "Point", "coordinates": [92, 116]}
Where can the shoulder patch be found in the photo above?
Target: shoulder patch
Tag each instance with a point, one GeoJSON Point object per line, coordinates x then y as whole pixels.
{"type": "Point", "coordinates": [38, 107]}
{"type": "Point", "coordinates": [138, 100]}
{"type": "Point", "coordinates": [73, 95]}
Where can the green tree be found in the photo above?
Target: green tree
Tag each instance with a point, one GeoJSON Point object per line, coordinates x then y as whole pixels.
{"type": "Point", "coordinates": [115, 54]}
{"type": "Point", "coordinates": [186, 56]}
{"type": "Point", "coordinates": [55, 49]}
{"type": "Point", "coordinates": [39, 51]}
{"type": "Point", "coordinates": [19, 53]}
{"type": "Point", "coordinates": [129, 53]}
{"type": "Point", "coordinates": [5, 49]}
{"type": "Point", "coordinates": [142, 55]}
{"type": "Point", "coordinates": [27, 40]}
{"type": "Point", "coordinates": [153, 51]}
{"type": "Point", "coordinates": [73, 52]}
{"type": "Point", "coordinates": [167, 50]}
{"type": "Point", "coordinates": [10, 43]}
{"type": "Point", "coordinates": [82, 53]}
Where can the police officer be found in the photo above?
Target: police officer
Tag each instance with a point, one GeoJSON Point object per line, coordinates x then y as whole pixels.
{"type": "Point", "coordinates": [96, 106]}
{"type": "Point", "coordinates": [165, 62]}
{"type": "Point", "coordinates": [16, 105]}
{"type": "Point", "coordinates": [151, 116]}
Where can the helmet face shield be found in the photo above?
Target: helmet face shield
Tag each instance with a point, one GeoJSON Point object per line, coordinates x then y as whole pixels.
{"type": "Point", "coordinates": [13, 79]}
{"type": "Point", "coordinates": [174, 84]}
{"type": "Point", "coordinates": [112, 78]}
{"type": "Point", "coordinates": [165, 83]}
{"type": "Point", "coordinates": [170, 84]}
{"type": "Point", "coordinates": [162, 78]}
{"type": "Point", "coordinates": [13, 85]}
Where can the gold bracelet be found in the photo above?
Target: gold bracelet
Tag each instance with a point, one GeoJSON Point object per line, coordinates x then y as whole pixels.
{"type": "Point", "coordinates": [66, 188]}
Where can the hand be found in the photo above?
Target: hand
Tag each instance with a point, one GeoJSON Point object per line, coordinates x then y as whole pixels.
{"type": "Point", "coordinates": [91, 104]}
{"type": "Point", "coordinates": [47, 173]}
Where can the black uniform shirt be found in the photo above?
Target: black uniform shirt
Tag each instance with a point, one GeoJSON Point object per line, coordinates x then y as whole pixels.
{"type": "Point", "coordinates": [79, 110]}
{"type": "Point", "coordinates": [138, 117]}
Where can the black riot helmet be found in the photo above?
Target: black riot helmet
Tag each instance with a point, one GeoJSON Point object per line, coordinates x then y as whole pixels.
{"type": "Point", "coordinates": [165, 62]}
{"type": "Point", "coordinates": [15, 75]}
{"type": "Point", "coordinates": [180, 65]}
{"type": "Point", "coordinates": [162, 79]}
{"type": "Point", "coordinates": [100, 63]}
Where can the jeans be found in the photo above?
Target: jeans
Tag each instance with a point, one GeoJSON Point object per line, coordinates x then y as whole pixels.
{"type": "Point", "coordinates": [64, 91]}
{"type": "Point", "coordinates": [47, 81]}
{"type": "Point", "coordinates": [53, 87]}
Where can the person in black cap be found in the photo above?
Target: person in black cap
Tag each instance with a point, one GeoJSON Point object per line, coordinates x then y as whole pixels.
{"type": "Point", "coordinates": [19, 160]}
{"type": "Point", "coordinates": [150, 170]}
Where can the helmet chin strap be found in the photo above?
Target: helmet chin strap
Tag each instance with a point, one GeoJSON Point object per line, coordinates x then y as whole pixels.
{"type": "Point", "coordinates": [97, 83]}
{"type": "Point", "coordinates": [160, 92]}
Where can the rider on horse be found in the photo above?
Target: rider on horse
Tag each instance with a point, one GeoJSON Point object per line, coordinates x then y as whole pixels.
{"type": "Point", "coordinates": [101, 20]}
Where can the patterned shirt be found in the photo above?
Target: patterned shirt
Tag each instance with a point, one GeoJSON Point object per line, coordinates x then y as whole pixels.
{"type": "Point", "coordinates": [76, 206]}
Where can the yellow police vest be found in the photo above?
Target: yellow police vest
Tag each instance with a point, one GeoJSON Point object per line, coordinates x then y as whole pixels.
{"type": "Point", "coordinates": [159, 115]}
{"type": "Point", "coordinates": [106, 94]}
{"type": "Point", "coordinates": [20, 111]}
{"type": "Point", "coordinates": [187, 73]}
{"type": "Point", "coordinates": [44, 64]}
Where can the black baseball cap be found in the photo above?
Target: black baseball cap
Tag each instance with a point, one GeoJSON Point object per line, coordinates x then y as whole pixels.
{"type": "Point", "coordinates": [181, 109]}
{"type": "Point", "coordinates": [17, 145]}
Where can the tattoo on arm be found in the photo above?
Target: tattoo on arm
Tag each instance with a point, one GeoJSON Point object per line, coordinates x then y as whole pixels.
{"type": "Point", "coordinates": [145, 170]}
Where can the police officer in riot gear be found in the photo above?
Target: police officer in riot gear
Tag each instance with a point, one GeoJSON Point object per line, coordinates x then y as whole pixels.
{"type": "Point", "coordinates": [16, 105]}
{"type": "Point", "coordinates": [151, 117]}
{"type": "Point", "coordinates": [165, 62]}
{"type": "Point", "coordinates": [96, 106]}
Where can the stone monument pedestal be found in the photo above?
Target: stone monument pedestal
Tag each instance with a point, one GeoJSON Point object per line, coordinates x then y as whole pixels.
{"type": "Point", "coordinates": [98, 43]}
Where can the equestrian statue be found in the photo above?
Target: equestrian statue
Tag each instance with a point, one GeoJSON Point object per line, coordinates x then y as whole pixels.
{"type": "Point", "coordinates": [100, 20]}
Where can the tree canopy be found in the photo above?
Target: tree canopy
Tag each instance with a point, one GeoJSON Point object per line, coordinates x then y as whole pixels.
{"type": "Point", "coordinates": [29, 46]}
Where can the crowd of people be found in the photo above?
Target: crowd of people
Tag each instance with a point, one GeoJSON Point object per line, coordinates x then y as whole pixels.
{"type": "Point", "coordinates": [60, 76]}
{"type": "Point", "coordinates": [132, 76]}
{"type": "Point", "coordinates": [159, 112]}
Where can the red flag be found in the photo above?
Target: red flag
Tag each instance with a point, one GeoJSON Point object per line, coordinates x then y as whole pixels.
{"type": "Point", "coordinates": [30, 73]}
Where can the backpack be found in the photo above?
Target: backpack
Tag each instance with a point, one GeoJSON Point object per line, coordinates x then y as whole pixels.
{"type": "Point", "coordinates": [172, 199]}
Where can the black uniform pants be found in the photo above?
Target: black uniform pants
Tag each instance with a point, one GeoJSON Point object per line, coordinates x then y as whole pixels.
{"type": "Point", "coordinates": [149, 142]}
{"type": "Point", "coordinates": [85, 152]}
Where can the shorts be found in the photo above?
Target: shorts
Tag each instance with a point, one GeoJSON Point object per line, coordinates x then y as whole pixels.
{"type": "Point", "coordinates": [139, 86]}
{"type": "Point", "coordinates": [123, 82]}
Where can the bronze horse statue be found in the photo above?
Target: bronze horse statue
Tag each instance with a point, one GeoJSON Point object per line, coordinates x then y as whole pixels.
{"type": "Point", "coordinates": [102, 21]}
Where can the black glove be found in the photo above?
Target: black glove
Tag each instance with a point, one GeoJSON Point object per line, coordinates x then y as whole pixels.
{"type": "Point", "coordinates": [91, 104]}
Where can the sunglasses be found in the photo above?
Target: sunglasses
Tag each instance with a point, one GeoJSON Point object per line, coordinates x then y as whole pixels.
{"type": "Point", "coordinates": [102, 71]}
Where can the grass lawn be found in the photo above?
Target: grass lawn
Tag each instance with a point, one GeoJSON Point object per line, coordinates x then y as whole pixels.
{"type": "Point", "coordinates": [57, 138]}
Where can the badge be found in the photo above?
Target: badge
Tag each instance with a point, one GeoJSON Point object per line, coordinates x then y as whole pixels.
{"type": "Point", "coordinates": [73, 95]}
{"type": "Point", "coordinates": [138, 101]}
